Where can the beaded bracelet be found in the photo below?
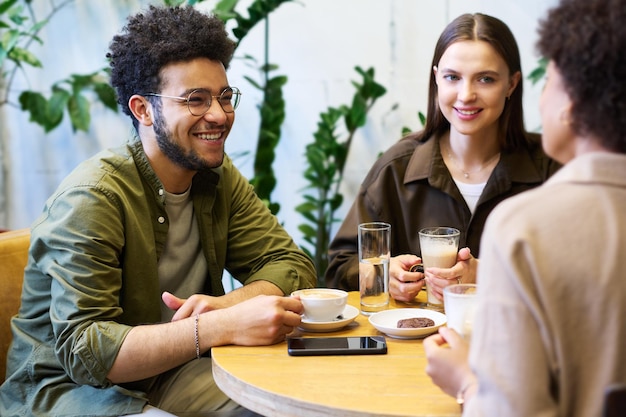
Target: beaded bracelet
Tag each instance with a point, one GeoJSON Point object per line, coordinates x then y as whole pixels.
{"type": "Point", "coordinates": [195, 333]}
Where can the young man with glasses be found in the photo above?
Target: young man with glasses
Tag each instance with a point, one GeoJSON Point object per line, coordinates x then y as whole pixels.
{"type": "Point", "coordinates": [123, 289]}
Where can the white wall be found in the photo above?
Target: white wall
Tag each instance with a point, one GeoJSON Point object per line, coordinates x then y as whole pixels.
{"type": "Point", "coordinates": [316, 43]}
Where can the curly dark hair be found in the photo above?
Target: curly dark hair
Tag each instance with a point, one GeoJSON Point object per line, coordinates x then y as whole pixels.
{"type": "Point", "coordinates": [158, 37]}
{"type": "Point", "coordinates": [586, 40]}
{"type": "Point", "coordinates": [480, 27]}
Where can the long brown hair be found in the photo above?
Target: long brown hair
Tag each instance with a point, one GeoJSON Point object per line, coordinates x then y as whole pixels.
{"type": "Point", "coordinates": [480, 27]}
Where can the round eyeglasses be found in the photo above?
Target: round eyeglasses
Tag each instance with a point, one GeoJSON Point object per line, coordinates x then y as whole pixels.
{"type": "Point", "coordinates": [199, 101]}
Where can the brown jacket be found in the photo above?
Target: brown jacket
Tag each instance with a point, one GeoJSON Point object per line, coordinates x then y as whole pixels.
{"type": "Point", "coordinates": [410, 187]}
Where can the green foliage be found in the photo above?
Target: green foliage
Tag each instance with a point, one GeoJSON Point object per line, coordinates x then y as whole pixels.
{"type": "Point", "coordinates": [19, 29]}
{"type": "Point", "coordinates": [69, 94]}
{"type": "Point", "coordinates": [326, 158]}
{"type": "Point", "coordinates": [272, 111]}
{"type": "Point", "coordinates": [538, 73]}
{"type": "Point", "coordinates": [422, 118]}
{"type": "Point", "coordinates": [17, 32]}
{"type": "Point", "coordinates": [272, 107]}
{"type": "Point", "coordinates": [258, 11]}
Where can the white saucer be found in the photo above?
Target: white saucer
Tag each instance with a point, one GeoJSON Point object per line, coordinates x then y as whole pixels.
{"type": "Point", "coordinates": [387, 322]}
{"type": "Point", "coordinates": [349, 314]}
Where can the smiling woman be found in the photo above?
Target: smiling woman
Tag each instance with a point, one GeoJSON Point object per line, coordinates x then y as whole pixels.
{"type": "Point", "coordinates": [573, 222]}
{"type": "Point", "coordinates": [445, 175]}
{"type": "Point", "coordinates": [474, 83]}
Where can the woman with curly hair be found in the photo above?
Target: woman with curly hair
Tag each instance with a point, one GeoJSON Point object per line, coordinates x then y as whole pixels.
{"type": "Point", "coordinates": [549, 330]}
{"type": "Point", "coordinates": [123, 290]}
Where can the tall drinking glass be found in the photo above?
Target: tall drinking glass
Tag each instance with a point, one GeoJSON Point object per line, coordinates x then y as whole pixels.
{"type": "Point", "coordinates": [374, 255]}
{"type": "Point", "coordinates": [439, 247]}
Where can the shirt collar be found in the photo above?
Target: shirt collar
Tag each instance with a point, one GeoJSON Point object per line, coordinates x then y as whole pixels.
{"type": "Point", "coordinates": [427, 162]}
{"type": "Point", "coordinates": [594, 167]}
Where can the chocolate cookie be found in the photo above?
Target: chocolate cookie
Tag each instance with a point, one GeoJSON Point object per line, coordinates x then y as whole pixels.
{"type": "Point", "coordinates": [415, 322]}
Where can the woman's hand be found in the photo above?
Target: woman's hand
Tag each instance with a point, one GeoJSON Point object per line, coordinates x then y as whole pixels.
{"type": "Point", "coordinates": [403, 284]}
{"type": "Point", "coordinates": [464, 271]}
{"type": "Point", "coordinates": [447, 356]}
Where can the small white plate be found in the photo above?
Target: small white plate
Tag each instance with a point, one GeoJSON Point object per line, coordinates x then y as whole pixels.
{"type": "Point", "coordinates": [349, 314]}
{"type": "Point", "coordinates": [387, 322]}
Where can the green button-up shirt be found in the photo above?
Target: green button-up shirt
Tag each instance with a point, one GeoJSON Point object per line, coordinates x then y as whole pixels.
{"type": "Point", "coordinates": [92, 275]}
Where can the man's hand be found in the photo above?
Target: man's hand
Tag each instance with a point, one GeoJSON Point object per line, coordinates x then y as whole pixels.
{"type": "Point", "coordinates": [196, 304]}
{"type": "Point", "coordinates": [262, 320]}
{"type": "Point", "coordinates": [200, 303]}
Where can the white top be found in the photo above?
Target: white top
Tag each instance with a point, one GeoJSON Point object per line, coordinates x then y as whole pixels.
{"type": "Point", "coordinates": [471, 193]}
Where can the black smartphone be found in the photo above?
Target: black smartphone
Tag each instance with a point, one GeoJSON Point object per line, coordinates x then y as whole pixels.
{"type": "Point", "coordinates": [351, 345]}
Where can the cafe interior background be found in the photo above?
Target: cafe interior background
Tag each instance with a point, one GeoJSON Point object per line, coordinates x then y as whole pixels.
{"type": "Point", "coordinates": [316, 44]}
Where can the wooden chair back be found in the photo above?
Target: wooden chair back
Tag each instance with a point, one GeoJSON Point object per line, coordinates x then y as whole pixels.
{"type": "Point", "coordinates": [13, 255]}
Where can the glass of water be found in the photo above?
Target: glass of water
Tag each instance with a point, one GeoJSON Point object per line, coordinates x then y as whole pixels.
{"type": "Point", "coordinates": [374, 255]}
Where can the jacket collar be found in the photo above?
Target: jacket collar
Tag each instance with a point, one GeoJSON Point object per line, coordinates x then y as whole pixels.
{"type": "Point", "coordinates": [427, 163]}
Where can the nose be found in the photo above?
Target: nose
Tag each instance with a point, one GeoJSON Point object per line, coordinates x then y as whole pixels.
{"type": "Point", "coordinates": [466, 92]}
{"type": "Point", "coordinates": [215, 113]}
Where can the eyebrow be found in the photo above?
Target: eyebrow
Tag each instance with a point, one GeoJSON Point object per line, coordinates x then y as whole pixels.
{"type": "Point", "coordinates": [480, 73]}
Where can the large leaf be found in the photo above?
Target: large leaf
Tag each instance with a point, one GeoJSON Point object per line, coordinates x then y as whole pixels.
{"type": "Point", "coordinates": [6, 5]}
{"type": "Point", "coordinates": [23, 55]}
{"type": "Point", "coordinates": [36, 104]}
{"type": "Point", "coordinates": [107, 95]}
{"type": "Point", "coordinates": [56, 106]}
{"type": "Point", "coordinates": [78, 108]}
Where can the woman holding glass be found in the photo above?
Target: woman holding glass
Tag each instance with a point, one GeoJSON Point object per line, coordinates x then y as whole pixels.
{"type": "Point", "coordinates": [473, 153]}
{"type": "Point", "coordinates": [549, 330]}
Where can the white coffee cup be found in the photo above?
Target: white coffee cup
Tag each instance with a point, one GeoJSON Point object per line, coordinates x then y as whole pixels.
{"type": "Point", "coordinates": [322, 304]}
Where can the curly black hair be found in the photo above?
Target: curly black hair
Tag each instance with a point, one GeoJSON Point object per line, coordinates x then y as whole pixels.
{"type": "Point", "coordinates": [586, 40]}
{"type": "Point", "coordinates": [158, 37]}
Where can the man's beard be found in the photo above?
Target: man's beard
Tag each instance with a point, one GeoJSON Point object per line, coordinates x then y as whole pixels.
{"type": "Point", "coordinates": [174, 152]}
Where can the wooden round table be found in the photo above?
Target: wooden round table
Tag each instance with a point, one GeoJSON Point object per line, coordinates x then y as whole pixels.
{"type": "Point", "coordinates": [267, 380]}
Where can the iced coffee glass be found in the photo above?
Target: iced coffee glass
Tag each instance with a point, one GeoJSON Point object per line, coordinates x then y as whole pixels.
{"type": "Point", "coordinates": [439, 247]}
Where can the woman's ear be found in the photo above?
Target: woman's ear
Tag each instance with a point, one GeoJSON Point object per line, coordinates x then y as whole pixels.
{"type": "Point", "coordinates": [141, 109]}
{"type": "Point", "coordinates": [514, 80]}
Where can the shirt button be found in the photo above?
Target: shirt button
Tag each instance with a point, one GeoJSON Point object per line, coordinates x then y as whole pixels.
{"type": "Point", "coordinates": [161, 219]}
{"type": "Point", "coordinates": [161, 191]}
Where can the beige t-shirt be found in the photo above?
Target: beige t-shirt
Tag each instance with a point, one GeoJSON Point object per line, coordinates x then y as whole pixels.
{"type": "Point", "coordinates": [182, 267]}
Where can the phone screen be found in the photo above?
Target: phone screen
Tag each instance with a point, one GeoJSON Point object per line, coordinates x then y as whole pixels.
{"type": "Point", "coordinates": [315, 346]}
